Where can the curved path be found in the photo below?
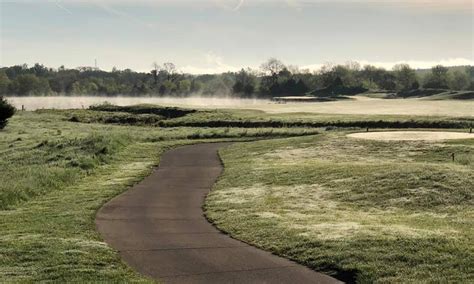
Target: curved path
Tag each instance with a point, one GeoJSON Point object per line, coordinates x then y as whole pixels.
{"type": "Point", "coordinates": [159, 228]}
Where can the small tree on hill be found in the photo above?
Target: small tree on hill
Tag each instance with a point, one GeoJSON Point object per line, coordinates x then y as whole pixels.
{"type": "Point", "coordinates": [6, 111]}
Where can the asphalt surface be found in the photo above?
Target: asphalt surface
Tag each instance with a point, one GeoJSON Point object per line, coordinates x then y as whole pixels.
{"type": "Point", "coordinates": [159, 228]}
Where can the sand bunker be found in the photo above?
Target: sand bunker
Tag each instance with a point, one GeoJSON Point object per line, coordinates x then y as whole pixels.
{"type": "Point", "coordinates": [411, 135]}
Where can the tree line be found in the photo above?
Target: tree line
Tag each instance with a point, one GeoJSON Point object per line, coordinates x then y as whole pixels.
{"type": "Point", "coordinates": [272, 79]}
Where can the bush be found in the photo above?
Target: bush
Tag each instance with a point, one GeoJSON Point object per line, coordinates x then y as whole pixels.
{"type": "Point", "coordinates": [6, 111]}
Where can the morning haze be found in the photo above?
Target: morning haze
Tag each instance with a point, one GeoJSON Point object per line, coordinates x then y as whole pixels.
{"type": "Point", "coordinates": [236, 141]}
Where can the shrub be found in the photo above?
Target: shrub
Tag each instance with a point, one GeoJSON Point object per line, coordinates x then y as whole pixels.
{"type": "Point", "coordinates": [6, 111]}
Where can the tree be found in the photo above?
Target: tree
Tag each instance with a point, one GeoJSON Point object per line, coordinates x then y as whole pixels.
{"type": "Point", "coordinates": [272, 67]}
{"type": "Point", "coordinates": [170, 70]}
{"type": "Point", "coordinates": [196, 86]}
{"type": "Point", "coordinates": [169, 87]}
{"type": "Point", "coordinates": [29, 84]}
{"type": "Point", "coordinates": [405, 77]}
{"type": "Point", "coordinates": [374, 78]}
{"type": "Point", "coordinates": [4, 83]}
{"type": "Point", "coordinates": [327, 75]}
{"type": "Point", "coordinates": [301, 87]}
{"type": "Point", "coordinates": [6, 111]}
{"type": "Point", "coordinates": [219, 85]}
{"type": "Point", "coordinates": [245, 83]}
{"type": "Point", "coordinates": [470, 73]}
{"type": "Point", "coordinates": [88, 87]}
{"type": "Point", "coordinates": [39, 70]}
{"type": "Point", "coordinates": [154, 72]}
{"type": "Point", "coordinates": [459, 81]}
{"type": "Point", "coordinates": [184, 87]}
{"type": "Point", "coordinates": [438, 79]}
{"type": "Point", "coordinates": [62, 81]}
{"type": "Point", "coordinates": [16, 70]}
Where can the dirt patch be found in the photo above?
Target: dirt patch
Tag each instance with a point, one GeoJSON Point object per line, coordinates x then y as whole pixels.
{"type": "Point", "coordinates": [412, 135]}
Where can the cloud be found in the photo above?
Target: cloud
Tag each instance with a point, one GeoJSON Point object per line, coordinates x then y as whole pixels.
{"type": "Point", "coordinates": [213, 64]}
{"type": "Point", "coordinates": [231, 5]}
{"type": "Point", "coordinates": [121, 14]}
{"type": "Point", "coordinates": [417, 64]}
{"type": "Point", "coordinates": [60, 6]}
{"type": "Point", "coordinates": [235, 5]}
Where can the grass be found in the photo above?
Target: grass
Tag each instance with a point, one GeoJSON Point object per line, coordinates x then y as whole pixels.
{"type": "Point", "coordinates": [150, 115]}
{"type": "Point", "coordinates": [363, 211]}
{"type": "Point", "coordinates": [55, 176]}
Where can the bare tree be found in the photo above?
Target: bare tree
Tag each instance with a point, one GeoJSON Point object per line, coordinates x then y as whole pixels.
{"type": "Point", "coordinates": [273, 66]}
{"type": "Point", "coordinates": [170, 70]}
{"type": "Point", "coordinates": [154, 71]}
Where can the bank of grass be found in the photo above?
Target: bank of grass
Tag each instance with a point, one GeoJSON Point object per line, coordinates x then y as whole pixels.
{"type": "Point", "coordinates": [55, 174]}
{"type": "Point", "coordinates": [153, 115]}
{"type": "Point", "coordinates": [363, 211]}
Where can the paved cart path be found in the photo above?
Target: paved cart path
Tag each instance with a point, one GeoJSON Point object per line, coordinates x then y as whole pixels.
{"type": "Point", "coordinates": [159, 228]}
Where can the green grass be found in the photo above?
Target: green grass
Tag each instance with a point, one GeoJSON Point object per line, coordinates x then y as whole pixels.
{"type": "Point", "coordinates": [56, 174]}
{"type": "Point", "coordinates": [358, 209]}
{"type": "Point", "coordinates": [364, 211]}
{"type": "Point", "coordinates": [149, 115]}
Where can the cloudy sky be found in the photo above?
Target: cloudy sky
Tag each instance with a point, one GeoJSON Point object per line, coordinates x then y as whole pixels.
{"type": "Point", "coordinates": [207, 36]}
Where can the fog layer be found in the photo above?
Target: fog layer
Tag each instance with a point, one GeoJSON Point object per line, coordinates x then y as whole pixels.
{"type": "Point", "coordinates": [359, 105]}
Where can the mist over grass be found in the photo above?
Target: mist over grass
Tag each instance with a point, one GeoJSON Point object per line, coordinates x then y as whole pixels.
{"type": "Point", "coordinates": [74, 102]}
{"type": "Point", "coordinates": [361, 105]}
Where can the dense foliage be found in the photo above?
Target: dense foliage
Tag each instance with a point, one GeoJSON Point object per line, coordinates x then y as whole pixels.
{"type": "Point", "coordinates": [6, 111]}
{"type": "Point", "coordinates": [272, 79]}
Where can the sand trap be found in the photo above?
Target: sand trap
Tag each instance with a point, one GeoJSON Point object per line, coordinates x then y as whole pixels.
{"type": "Point", "coordinates": [411, 135]}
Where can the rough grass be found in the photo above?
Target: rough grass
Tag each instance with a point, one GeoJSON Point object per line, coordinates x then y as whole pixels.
{"type": "Point", "coordinates": [56, 174]}
{"type": "Point", "coordinates": [363, 211]}
{"type": "Point", "coordinates": [149, 115]}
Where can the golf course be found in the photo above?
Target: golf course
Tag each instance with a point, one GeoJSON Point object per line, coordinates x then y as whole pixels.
{"type": "Point", "coordinates": [237, 141]}
{"type": "Point", "coordinates": [360, 198]}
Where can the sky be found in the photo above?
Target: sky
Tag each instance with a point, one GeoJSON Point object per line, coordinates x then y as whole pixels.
{"type": "Point", "coordinates": [213, 36]}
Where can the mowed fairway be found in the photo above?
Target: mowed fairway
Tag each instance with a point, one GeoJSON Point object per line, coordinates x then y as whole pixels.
{"type": "Point", "coordinates": [368, 211]}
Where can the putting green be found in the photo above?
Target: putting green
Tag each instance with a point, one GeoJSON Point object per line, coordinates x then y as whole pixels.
{"type": "Point", "coordinates": [412, 135]}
